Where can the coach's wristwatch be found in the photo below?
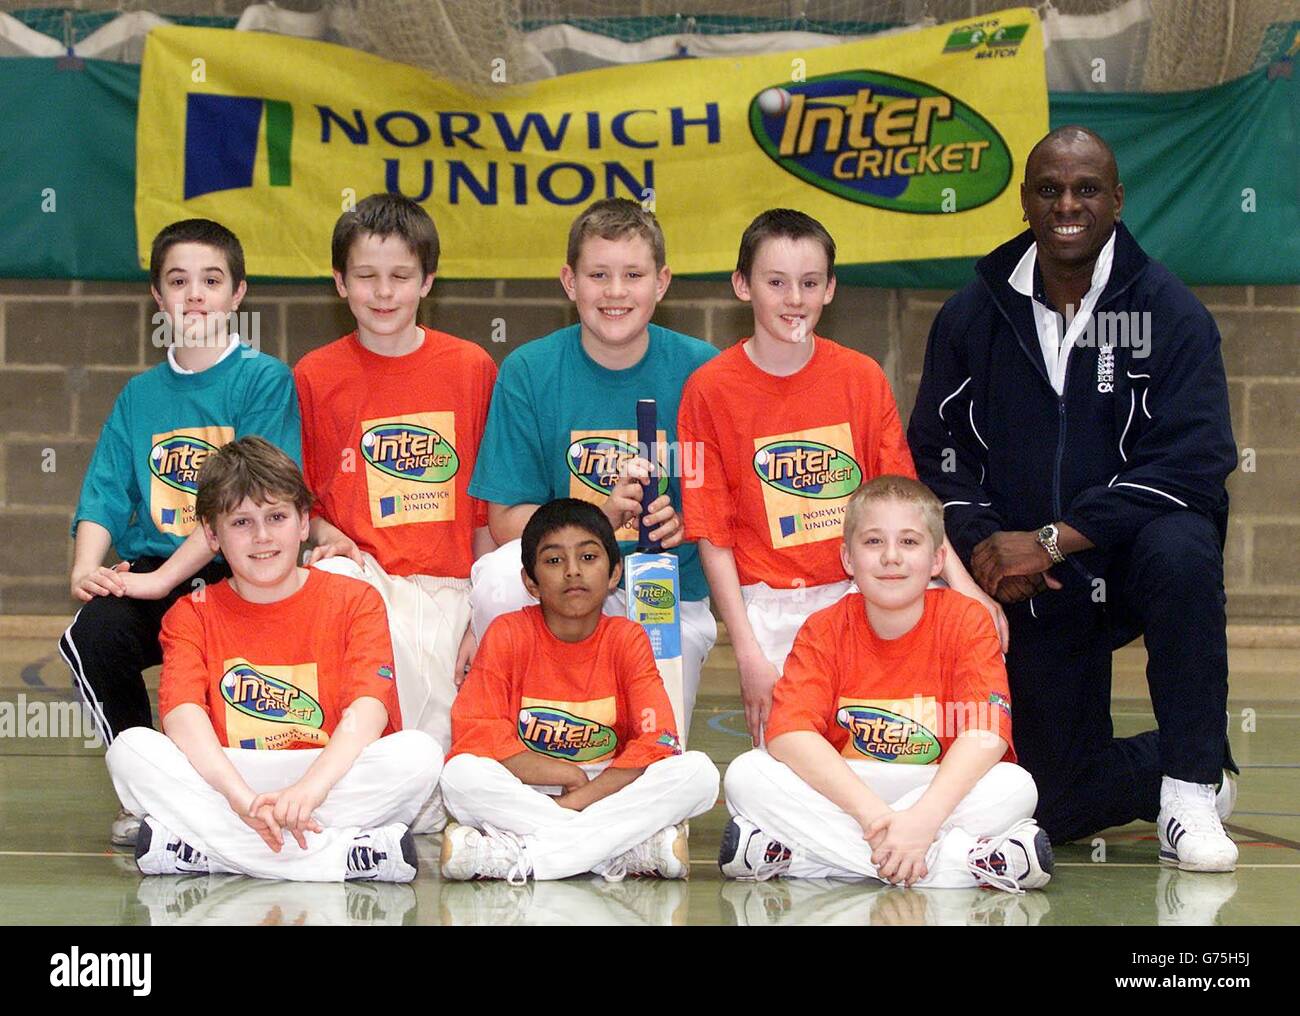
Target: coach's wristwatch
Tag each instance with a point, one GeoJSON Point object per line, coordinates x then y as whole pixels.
{"type": "Point", "coordinates": [1047, 540]}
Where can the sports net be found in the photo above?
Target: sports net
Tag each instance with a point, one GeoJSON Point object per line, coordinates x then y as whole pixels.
{"type": "Point", "coordinates": [1150, 45]}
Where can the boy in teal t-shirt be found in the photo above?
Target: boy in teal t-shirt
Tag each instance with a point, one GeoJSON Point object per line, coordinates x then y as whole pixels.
{"type": "Point", "coordinates": [563, 420]}
{"type": "Point", "coordinates": [138, 494]}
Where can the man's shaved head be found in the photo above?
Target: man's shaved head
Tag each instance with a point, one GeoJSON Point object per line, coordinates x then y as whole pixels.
{"type": "Point", "coordinates": [1069, 135]}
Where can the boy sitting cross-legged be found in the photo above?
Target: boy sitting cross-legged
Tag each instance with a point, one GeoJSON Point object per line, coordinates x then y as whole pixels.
{"type": "Point", "coordinates": [565, 699]}
{"type": "Point", "coordinates": [889, 744]}
{"type": "Point", "coordinates": [277, 691]}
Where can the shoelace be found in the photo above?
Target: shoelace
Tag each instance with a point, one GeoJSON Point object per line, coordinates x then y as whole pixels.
{"type": "Point", "coordinates": [640, 860]}
{"type": "Point", "coordinates": [988, 856]}
{"type": "Point", "coordinates": [505, 855]}
{"type": "Point", "coordinates": [187, 854]}
{"type": "Point", "coordinates": [776, 861]}
{"type": "Point", "coordinates": [1196, 811]}
{"type": "Point", "coordinates": [364, 857]}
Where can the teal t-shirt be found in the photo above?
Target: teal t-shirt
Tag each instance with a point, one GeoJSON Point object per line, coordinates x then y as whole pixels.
{"type": "Point", "coordinates": [143, 476]}
{"type": "Point", "coordinates": [560, 423]}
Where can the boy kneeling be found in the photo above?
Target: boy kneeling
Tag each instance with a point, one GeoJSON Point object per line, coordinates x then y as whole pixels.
{"type": "Point", "coordinates": [277, 657]}
{"type": "Point", "coordinates": [566, 700]}
{"type": "Point", "coordinates": [889, 744]}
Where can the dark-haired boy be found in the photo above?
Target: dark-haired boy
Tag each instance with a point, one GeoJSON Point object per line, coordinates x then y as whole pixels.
{"type": "Point", "coordinates": [565, 698]}
{"type": "Point", "coordinates": [392, 418]}
{"type": "Point", "coordinates": [789, 424]}
{"type": "Point", "coordinates": [277, 693]}
{"type": "Point", "coordinates": [138, 494]}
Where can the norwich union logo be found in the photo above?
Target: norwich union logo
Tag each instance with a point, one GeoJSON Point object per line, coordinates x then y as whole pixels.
{"type": "Point", "coordinates": [268, 698]}
{"type": "Point", "coordinates": [888, 737]}
{"type": "Point", "coordinates": [560, 734]}
{"type": "Point", "coordinates": [882, 140]}
{"type": "Point", "coordinates": [176, 461]}
{"type": "Point", "coordinates": [221, 134]}
{"type": "Point", "coordinates": [807, 469]}
{"type": "Point", "coordinates": [596, 462]}
{"type": "Point", "coordinates": [410, 452]}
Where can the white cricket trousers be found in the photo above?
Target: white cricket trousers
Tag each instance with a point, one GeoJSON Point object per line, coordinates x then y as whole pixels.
{"type": "Point", "coordinates": [826, 842]}
{"type": "Point", "coordinates": [427, 618]}
{"type": "Point", "coordinates": [387, 783]}
{"type": "Point", "coordinates": [562, 842]}
{"type": "Point", "coordinates": [776, 615]}
{"type": "Point", "coordinates": [496, 588]}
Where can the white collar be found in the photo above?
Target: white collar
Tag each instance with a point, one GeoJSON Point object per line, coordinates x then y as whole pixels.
{"type": "Point", "coordinates": [230, 349]}
{"type": "Point", "coordinates": [1021, 278]}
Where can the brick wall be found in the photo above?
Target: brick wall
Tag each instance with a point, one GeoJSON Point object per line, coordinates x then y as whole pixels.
{"type": "Point", "coordinates": [66, 349]}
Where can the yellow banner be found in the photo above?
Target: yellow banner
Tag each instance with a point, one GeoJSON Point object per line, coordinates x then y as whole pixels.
{"type": "Point", "coordinates": [906, 147]}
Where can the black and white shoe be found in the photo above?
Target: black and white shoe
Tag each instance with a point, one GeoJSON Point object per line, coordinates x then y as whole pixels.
{"type": "Point", "coordinates": [1021, 858]}
{"type": "Point", "coordinates": [158, 851]}
{"type": "Point", "coordinates": [386, 854]}
{"type": "Point", "coordinates": [749, 853]}
{"type": "Point", "coordinates": [1190, 829]}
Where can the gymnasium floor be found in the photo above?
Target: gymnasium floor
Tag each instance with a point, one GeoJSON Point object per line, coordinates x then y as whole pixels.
{"type": "Point", "coordinates": [56, 867]}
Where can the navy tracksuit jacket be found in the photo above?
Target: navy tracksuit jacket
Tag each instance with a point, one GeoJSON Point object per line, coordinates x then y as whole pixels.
{"type": "Point", "coordinates": [1134, 454]}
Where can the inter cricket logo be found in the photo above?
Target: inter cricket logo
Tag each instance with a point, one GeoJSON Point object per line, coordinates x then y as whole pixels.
{"type": "Point", "coordinates": [888, 737]}
{"type": "Point", "coordinates": [410, 452]}
{"type": "Point", "coordinates": [596, 462]}
{"type": "Point", "coordinates": [176, 461]}
{"type": "Point", "coordinates": [807, 469]}
{"type": "Point", "coordinates": [655, 595]}
{"type": "Point", "coordinates": [562, 735]}
{"type": "Point", "coordinates": [267, 698]}
{"type": "Point", "coordinates": [882, 140]}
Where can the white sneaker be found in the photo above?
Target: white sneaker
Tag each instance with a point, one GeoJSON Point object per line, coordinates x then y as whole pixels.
{"type": "Point", "coordinates": [125, 829]}
{"type": "Point", "coordinates": [492, 853]}
{"type": "Point", "coordinates": [1191, 832]}
{"type": "Point", "coordinates": [1225, 799]}
{"type": "Point", "coordinates": [385, 854]}
{"type": "Point", "coordinates": [1021, 858]}
{"type": "Point", "coordinates": [666, 854]}
{"type": "Point", "coordinates": [749, 853]}
{"type": "Point", "coordinates": [161, 852]}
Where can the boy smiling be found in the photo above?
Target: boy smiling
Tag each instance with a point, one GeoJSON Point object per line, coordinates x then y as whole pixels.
{"type": "Point", "coordinates": [276, 693]}
{"type": "Point", "coordinates": [889, 744]}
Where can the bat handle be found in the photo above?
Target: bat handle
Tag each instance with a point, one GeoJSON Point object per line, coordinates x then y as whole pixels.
{"type": "Point", "coordinates": [647, 427]}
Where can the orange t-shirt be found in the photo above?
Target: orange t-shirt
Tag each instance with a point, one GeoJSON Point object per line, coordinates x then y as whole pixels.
{"type": "Point", "coordinates": [595, 701]}
{"type": "Point", "coordinates": [279, 675]}
{"type": "Point", "coordinates": [778, 458]}
{"type": "Point", "coordinates": [389, 444]}
{"type": "Point", "coordinates": [902, 700]}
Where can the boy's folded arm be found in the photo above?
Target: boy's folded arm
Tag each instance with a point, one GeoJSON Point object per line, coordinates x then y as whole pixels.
{"type": "Point", "coordinates": [611, 781]}
{"type": "Point", "coordinates": [362, 723]}
{"type": "Point", "coordinates": [88, 578]}
{"type": "Point", "coordinates": [815, 761]}
{"type": "Point", "coordinates": [190, 728]}
{"type": "Point", "coordinates": [186, 561]}
{"type": "Point", "coordinates": [539, 771]}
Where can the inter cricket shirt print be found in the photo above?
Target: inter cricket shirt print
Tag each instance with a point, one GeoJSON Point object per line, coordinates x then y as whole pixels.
{"type": "Point", "coordinates": [782, 455]}
{"type": "Point", "coordinates": [389, 445]}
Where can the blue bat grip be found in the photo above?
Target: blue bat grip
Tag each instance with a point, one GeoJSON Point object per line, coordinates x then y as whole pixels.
{"type": "Point", "coordinates": [647, 439]}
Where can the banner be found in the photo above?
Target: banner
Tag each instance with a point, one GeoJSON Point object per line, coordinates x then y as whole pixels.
{"type": "Point", "coordinates": [905, 147]}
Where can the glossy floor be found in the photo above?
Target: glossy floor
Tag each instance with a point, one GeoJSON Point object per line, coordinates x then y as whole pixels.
{"type": "Point", "coordinates": [56, 804]}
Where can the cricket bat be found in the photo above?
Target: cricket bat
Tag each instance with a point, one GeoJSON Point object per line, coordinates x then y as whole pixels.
{"type": "Point", "coordinates": [652, 581]}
